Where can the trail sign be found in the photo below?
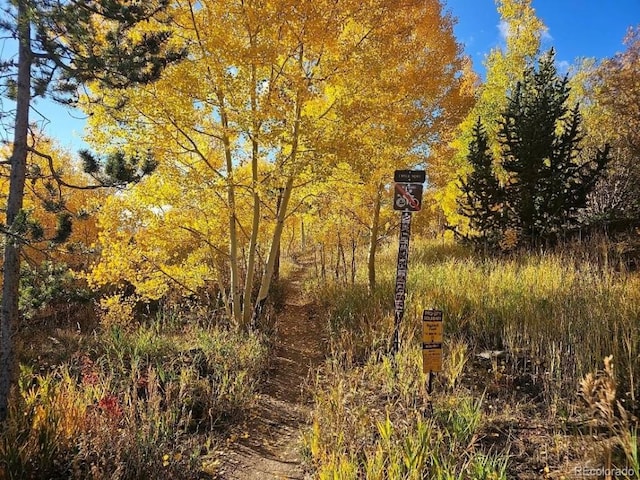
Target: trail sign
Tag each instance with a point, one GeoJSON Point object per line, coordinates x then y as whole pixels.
{"type": "Point", "coordinates": [432, 341]}
{"type": "Point", "coordinates": [432, 358]}
{"type": "Point", "coordinates": [432, 326]}
{"type": "Point", "coordinates": [407, 197]}
{"type": "Point", "coordinates": [409, 176]}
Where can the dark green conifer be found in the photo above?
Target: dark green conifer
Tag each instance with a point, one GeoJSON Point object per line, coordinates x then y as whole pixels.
{"type": "Point", "coordinates": [546, 182]}
{"type": "Point", "coordinates": [482, 196]}
{"type": "Point", "coordinates": [540, 143]}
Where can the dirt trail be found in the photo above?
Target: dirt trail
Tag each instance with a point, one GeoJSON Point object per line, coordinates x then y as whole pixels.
{"type": "Point", "coordinates": [271, 449]}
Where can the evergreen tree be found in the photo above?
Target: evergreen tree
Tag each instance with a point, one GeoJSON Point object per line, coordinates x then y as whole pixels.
{"type": "Point", "coordinates": [482, 195]}
{"type": "Point", "coordinates": [62, 44]}
{"type": "Point", "coordinates": [504, 68]}
{"type": "Point", "coordinates": [540, 143]}
{"type": "Point", "coordinates": [546, 182]}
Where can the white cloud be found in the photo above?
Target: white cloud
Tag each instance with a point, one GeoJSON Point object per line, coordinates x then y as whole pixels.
{"type": "Point", "coordinates": [563, 67]}
{"type": "Point", "coordinates": [503, 28]}
{"type": "Point", "coordinates": [505, 31]}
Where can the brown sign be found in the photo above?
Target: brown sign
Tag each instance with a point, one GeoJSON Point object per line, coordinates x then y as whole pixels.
{"type": "Point", "coordinates": [410, 176]}
{"type": "Point", "coordinates": [407, 197]}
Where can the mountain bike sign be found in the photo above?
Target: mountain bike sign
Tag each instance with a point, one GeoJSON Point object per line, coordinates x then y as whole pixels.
{"type": "Point", "coordinates": [407, 197]}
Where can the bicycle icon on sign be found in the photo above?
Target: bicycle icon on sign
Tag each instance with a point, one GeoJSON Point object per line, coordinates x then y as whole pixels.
{"type": "Point", "coordinates": [407, 197]}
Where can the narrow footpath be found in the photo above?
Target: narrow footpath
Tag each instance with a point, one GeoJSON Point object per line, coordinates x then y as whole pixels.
{"type": "Point", "coordinates": [270, 445]}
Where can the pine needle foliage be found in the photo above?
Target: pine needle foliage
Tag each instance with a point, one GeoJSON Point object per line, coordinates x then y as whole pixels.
{"type": "Point", "coordinates": [545, 184]}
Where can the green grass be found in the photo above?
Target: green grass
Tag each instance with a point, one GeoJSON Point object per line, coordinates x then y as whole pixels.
{"type": "Point", "coordinates": [376, 421]}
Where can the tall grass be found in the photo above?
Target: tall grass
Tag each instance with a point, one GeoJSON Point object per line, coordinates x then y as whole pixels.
{"type": "Point", "coordinates": [376, 421]}
{"type": "Point", "coordinates": [140, 405]}
{"type": "Point", "coordinates": [558, 313]}
{"type": "Point", "coordinates": [554, 316]}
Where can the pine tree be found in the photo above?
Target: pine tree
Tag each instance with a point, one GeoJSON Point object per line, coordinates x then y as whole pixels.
{"type": "Point", "coordinates": [504, 68]}
{"type": "Point", "coordinates": [482, 195]}
{"type": "Point", "coordinates": [540, 143]}
{"type": "Point", "coordinates": [60, 46]}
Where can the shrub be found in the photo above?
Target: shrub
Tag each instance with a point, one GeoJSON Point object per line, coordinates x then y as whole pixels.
{"type": "Point", "coordinates": [138, 406]}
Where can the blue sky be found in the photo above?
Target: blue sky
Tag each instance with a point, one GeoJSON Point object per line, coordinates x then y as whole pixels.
{"type": "Point", "coordinates": [576, 28]}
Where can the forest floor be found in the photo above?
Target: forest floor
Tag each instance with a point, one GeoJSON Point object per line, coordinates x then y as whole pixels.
{"type": "Point", "coordinates": [529, 418]}
{"type": "Point", "coordinates": [267, 444]}
{"type": "Point", "coordinates": [540, 438]}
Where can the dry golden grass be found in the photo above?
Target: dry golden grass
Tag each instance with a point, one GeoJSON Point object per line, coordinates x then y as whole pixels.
{"type": "Point", "coordinates": [553, 316]}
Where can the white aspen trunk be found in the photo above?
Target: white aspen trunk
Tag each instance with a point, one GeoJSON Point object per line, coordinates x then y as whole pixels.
{"type": "Point", "coordinates": [336, 271]}
{"type": "Point", "coordinates": [18, 161]}
{"type": "Point", "coordinates": [276, 267]}
{"type": "Point", "coordinates": [253, 243]}
{"type": "Point", "coordinates": [315, 261]}
{"type": "Point", "coordinates": [373, 240]}
{"type": "Point", "coordinates": [273, 253]}
{"type": "Point", "coordinates": [354, 247]}
{"type": "Point", "coordinates": [234, 293]}
{"type": "Point", "coordinates": [343, 259]}
{"type": "Point", "coordinates": [255, 221]}
{"type": "Point", "coordinates": [265, 284]}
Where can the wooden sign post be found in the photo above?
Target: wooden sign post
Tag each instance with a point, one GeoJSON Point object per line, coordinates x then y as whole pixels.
{"type": "Point", "coordinates": [407, 198]}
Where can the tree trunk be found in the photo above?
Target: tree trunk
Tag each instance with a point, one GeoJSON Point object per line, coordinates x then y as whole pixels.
{"type": "Point", "coordinates": [253, 243]}
{"type": "Point", "coordinates": [234, 287]}
{"type": "Point", "coordinates": [276, 268]}
{"type": "Point", "coordinates": [255, 222]}
{"type": "Point", "coordinates": [354, 247]}
{"type": "Point", "coordinates": [315, 261]}
{"type": "Point", "coordinates": [265, 284]}
{"type": "Point", "coordinates": [336, 271]}
{"type": "Point", "coordinates": [373, 240]}
{"type": "Point", "coordinates": [18, 161]}
{"type": "Point", "coordinates": [273, 254]}
{"type": "Point", "coordinates": [343, 259]}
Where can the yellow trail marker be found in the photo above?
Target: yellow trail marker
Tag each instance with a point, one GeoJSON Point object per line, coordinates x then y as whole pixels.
{"type": "Point", "coordinates": [432, 338]}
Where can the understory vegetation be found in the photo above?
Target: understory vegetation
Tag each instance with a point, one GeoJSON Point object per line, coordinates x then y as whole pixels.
{"type": "Point", "coordinates": [164, 290]}
{"type": "Point", "coordinates": [139, 398]}
{"type": "Point", "coordinates": [523, 393]}
{"type": "Point", "coordinates": [540, 376]}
